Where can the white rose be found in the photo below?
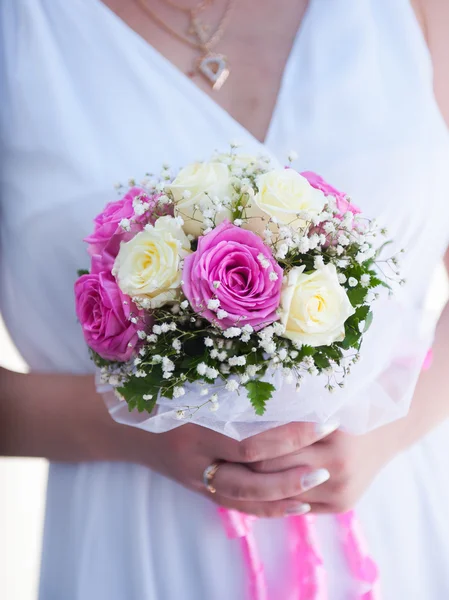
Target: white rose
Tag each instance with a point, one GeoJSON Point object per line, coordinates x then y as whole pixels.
{"type": "Point", "coordinates": [283, 193]}
{"type": "Point", "coordinates": [148, 266]}
{"type": "Point", "coordinates": [315, 307]}
{"type": "Point", "coordinates": [198, 184]}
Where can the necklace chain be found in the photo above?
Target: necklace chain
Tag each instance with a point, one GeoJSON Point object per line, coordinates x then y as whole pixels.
{"type": "Point", "coordinates": [201, 43]}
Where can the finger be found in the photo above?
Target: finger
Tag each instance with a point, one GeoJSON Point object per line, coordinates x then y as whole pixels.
{"type": "Point", "coordinates": [237, 482]}
{"type": "Point", "coordinates": [274, 443]}
{"type": "Point", "coordinates": [315, 456]}
{"type": "Point", "coordinates": [281, 508]}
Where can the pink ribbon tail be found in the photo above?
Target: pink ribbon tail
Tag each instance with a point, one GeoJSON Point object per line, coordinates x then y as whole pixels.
{"type": "Point", "coordinates": [239, 525]}
{"type": "Point", "coordinates": [309, 581]}
{"type": "Point", "coordinates": [361, 565]}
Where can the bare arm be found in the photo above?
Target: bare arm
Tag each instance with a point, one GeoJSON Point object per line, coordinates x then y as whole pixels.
{"type": "Point", "coordinates": [59, 417]}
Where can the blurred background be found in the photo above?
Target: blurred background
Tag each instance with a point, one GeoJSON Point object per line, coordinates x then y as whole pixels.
{"type": "Point", "coordinates": [23, 482]}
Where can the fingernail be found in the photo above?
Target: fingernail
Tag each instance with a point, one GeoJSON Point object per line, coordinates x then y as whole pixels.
{"type": "Point", "coordinates": [324, 429]}
{"type": "Point", "coordinates": [298, 509]}
{"type": "Point", "coordinates": [311, 480]}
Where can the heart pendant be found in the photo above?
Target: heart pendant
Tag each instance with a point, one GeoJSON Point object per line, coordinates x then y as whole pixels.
{"type": "Point", "coordinates": [214, 68]}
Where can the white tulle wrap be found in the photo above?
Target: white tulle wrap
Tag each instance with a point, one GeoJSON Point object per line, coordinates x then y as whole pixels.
{"type": "Point", "coordinates": [378, 390]}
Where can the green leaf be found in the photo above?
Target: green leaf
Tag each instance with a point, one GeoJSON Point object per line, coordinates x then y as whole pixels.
{"type": "Point", "coordinates": [334, 352]}
{"type": "Point", "coordinates": [82, 272]}
{"type": "Point", "coordinates": [368, 321]}
{"type": "Point", "coordinates": [258, 393]}
{"type": "Point", "coordinates": [135, 388]}
{"type": "Point", "coordinates": [321, 360]}
{"type": "Point", "coordinates": [134, 397]}
{"type": "Point", "coordinates": [99, 360]}
{"type": "Point", "coordinates": [357, 295]}
{"type": "Point", "coordinates": [352, 339]}
{"type": "Point", "coordinates": [307, 350]}
{"type": "Point", "coordinates": [361, 313]}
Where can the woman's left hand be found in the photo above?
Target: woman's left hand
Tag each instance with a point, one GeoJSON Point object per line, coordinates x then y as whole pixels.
{"type": "Point", "coordinates": [351, 461]}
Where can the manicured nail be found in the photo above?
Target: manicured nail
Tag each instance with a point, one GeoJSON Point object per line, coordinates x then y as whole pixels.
{"type": "Point", "coordinates": [324, 429]}
{"type": "Point", "coordinates": [298, 509]}
{"type": "Point", "coordinates": [311, 480]}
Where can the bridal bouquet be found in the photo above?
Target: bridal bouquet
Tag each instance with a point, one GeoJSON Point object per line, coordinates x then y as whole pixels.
{"type": "Point", "coordinates": [226, 281]}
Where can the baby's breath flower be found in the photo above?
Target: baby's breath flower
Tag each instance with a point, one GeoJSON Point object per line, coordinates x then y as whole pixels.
{"type": "Point", "coordinates": [251, 370]}
{"type": "Point", "coordinates": [178, 391]}
{"type": "Point", "coordinates": [282, 353]}
{"type": "Point", "coordinates": [213, 304]}
{"type": "Point", "coordinates": [208, 342]}
{"type": "Point", "coordinates": [263, 260]}
{"type": "Point", "coordinates": [352, 282]}
{"type": "Point", "coordinates": [232, 385]}
{"type": "Point", "coordinates": [221, 314]}
{"type": "Point", "coordinates": [180, 414]}
{"type": "Point", "coordinates": [318, 262]}
{"type": "Point", "coordinates": [147, 396]}
{"type": "Point", "coordinates": [201, 368]}
{"type": "Point", "coordinates": [211, 373]}
{"type": "Point", "coordinates": [232, 332]}
{"type": "Point", "coordinates": [125, 224]}
{"type": "Point", "coordinates": [167, 364]}
{"type": "Point", "coordinates": [141, 334]}
{"type": "Point", "coordinates": [365, 279]}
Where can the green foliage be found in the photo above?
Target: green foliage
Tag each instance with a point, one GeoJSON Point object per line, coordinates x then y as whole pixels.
{"type": "Point", "coordinates": [136, 388]}
{"type": "Point", "coordinates": [99, 360]}
{"type": "Point", "coordinates": [258, 393]}
{"type": "Point", "coordinates": [357, 295]}
{"type": "Point", "coordinates": [82, 272]}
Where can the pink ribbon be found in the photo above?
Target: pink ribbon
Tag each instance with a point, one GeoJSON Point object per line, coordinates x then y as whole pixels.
{"type": "Point", "coordinates": [309, 576]}
{"type": "Point", "coordinates": [239, 525]}
{"type": "Point", "coordinates": [362, 566]}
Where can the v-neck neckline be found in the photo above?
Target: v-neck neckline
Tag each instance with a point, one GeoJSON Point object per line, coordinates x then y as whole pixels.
{"type": "Point", "coordinates": [190, 87]}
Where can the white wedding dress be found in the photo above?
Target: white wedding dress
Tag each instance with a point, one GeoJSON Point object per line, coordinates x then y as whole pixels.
{"type": "Point", "coordinates": [86, 102]}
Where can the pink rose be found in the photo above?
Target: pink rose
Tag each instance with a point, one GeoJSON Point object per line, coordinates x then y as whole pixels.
{"type": "Point", "coordinates": [104, 311]}
{"type": "Point", "coordinates": [105, 241]}
{"type": "Point", "coordinates": [233, 266]}
{"type": "Point", "coordinates": [319, 183]}
{"type": "Point", "coordinates": [107, 222]}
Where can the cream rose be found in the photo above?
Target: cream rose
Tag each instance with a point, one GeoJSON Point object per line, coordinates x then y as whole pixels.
{"type": "Point", "coordinates": [197, 186]}
{"type": "Point", "coordinates": [283, 193]}
{"type": "Point", "coordinates": [148, 266]}
{"type": "Point", "coordinates": [315, 307]}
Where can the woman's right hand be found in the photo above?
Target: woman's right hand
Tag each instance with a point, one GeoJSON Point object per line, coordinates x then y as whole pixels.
{"type": "Point", "coordinates": [184, 453]}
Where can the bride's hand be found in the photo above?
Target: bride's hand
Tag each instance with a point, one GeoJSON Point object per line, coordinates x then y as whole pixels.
{"type": "Point", "coordinates": [351, 461]}
{"type": "Point", "coordinates": [184, 453]}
